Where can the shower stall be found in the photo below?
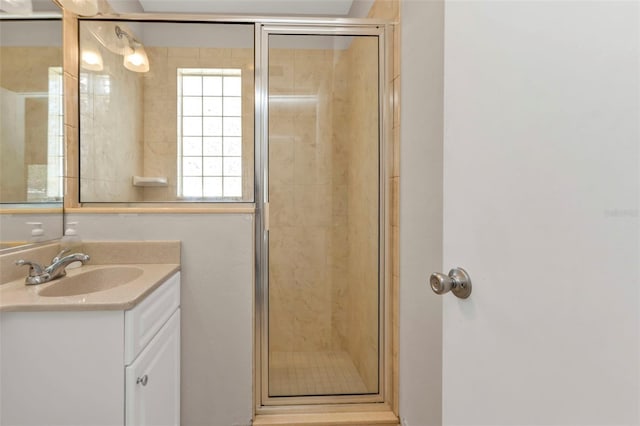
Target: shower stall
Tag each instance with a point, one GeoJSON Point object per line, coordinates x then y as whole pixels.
{"type": "Point", "coordinates": [289, 115]}
{"type": "Point", "coordinates": [321, 285]}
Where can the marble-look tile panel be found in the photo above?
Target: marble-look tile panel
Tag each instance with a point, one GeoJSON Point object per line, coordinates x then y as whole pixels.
{"type": "Point", "coordinates": [281, 158]}
{"type": "Point", "coordinates": [111, 130]}
{"type": "Point", "coordinates": [385, 9]}
{"type": "Point", "coordinates": [160, 105]}
{"type": "Point", "coordinates": [25, 69]}
{"type": "Point", "coordinates": [362, 177]}
{"type": "Point", "coordinates": [280, 211]}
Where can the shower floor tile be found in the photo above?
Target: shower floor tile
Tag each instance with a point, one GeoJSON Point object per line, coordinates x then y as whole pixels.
{"type": "Point", "coordinates": [313, 373]}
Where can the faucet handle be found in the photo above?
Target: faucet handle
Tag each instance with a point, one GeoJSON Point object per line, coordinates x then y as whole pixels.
{"type": "Point", "coordinates": [59, 255]}
{"type": "Point", "coordinates": [34, 268]}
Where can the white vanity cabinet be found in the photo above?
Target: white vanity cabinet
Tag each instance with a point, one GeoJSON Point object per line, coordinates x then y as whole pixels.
{"type": "Point", "coordinates": [93, 368]}
{"type": "Point", "coordinates": [153, 380]}
{"type": "Point", "coordinates": [152, 359]}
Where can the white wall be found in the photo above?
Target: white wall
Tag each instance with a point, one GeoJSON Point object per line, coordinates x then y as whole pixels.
{"type": "Point", "coordinates": [421, 211]}
{"type": "Point", "coordinates": [541, 205]}
{"type": "Point", "coordinates": [14, 228]}
{"type": "Point", "coordinates": [201, 35]}
{"type": "Point", "coordinates": [230, 36]}
{"type": "Point", "coordinates": [31, 33]}
{"type": "Point", "coordinates": [217, 305]}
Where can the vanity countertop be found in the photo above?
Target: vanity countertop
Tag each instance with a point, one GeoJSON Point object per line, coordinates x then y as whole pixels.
{"type": "Point", "coordinates": [16, 296]}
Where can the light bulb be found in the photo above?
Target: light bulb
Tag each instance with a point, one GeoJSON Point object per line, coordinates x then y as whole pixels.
{"type": "Point", "coordinates": [91, 60]}
{"type": "Point", "coordinates": [137, 60]}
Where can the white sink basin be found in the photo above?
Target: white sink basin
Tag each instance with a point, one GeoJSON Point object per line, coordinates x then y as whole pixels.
{"type": "Point", "coordinates": [92, 281]}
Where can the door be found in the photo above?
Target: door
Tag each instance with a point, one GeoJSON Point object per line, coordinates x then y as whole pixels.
{"type": "Point", "coordinates": [541, 190]}
{"type": "Point", "coordinates": [322, 278]}
{"type": "Point", "coordinates": [153, 380]}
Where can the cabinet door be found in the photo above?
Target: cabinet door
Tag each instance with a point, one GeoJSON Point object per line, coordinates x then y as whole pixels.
{"type": "Point", "coordinates": [153, 380]}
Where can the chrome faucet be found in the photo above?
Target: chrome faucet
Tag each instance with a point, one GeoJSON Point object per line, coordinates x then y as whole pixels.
{"type": "Point", "coordinates": [57, 269]}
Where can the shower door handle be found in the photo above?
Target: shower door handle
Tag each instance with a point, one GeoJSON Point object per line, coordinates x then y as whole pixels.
{"type": "Point", "coordinates": [458, 282]}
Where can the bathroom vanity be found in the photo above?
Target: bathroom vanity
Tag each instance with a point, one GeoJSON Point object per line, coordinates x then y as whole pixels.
{"type": "Point", "coordinates": [109, 357]}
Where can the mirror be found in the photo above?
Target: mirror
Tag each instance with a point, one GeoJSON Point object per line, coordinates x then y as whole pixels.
{"type": "Point", "coordinates": [31, 127]}
{"type": "Point", "coordinates": [166, 112]}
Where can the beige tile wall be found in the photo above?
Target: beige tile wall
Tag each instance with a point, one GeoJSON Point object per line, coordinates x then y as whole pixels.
{"type": "Point", "coordinates": [142, 111]}
{"type": "Point", "coordinates": [301, 201]}
{"type": "Point", "coordinates": [25, 69]}
{"type": "Point", "coordinates": [362, 128]}
{"type": "Point", "coordinates": [24, 128]}
{"type": "Point", "coordinates": [111, 126]}
{"type": "Point", "coordinates": [36, 130]}
{"type": "Point", "coordinates": [160, 111]}
{"type": "Point", "coordinates": [12, 167]}
{"type": "Point", "coordinates": [323, 196]}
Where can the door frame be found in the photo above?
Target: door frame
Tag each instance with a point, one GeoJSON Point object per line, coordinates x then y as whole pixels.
{"type": "Point", "coordinates": [263, 402]}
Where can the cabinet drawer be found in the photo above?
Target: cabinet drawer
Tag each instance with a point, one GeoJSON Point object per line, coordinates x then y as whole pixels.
{"type": "Point", "coordinates": [143, 322]}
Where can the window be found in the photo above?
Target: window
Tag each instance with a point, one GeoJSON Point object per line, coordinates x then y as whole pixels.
{"type": "Point", "coordinates": [210, 133]}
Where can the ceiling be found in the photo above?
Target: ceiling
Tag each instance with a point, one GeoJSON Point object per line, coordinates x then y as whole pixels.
{"type": "Point", "coordinates": [312, 8]}
{"type": "Point", "coordinates": [44, 6]}
{"type": "Point", "coordinates": [328, 8]}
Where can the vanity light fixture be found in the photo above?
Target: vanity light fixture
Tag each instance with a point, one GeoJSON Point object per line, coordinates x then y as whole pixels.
{"type": "Point", "coordinates": [118, 39]}
{"type": "Point", "coordinates": [136, 59]}
{"type": "Point", "coordinates": [80, 7]}
{"type": "Point", "coordinates": [108, 34]}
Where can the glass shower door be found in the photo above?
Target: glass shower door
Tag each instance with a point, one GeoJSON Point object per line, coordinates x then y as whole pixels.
{"type": "Point", "coordinates": [324, 307]}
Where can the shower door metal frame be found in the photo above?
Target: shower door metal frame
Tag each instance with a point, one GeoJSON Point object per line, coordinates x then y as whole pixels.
{"type": "Point", "coordinates": [338, 27]}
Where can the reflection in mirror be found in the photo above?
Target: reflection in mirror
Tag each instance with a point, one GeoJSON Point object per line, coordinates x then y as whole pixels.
{"type": "Point", "coordinates": [166, 112]}
{"type": "Point", "coordinates": [31, 130]}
